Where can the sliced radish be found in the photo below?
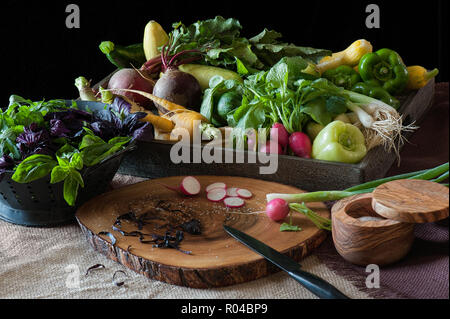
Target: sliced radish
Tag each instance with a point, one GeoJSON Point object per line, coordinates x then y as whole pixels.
{"type": "Point", "coordinates": [244, 193]}
{"type": "Point", "coordinates": [234, 202]}
{"type": "Point", "coordinates": [190, 186]}
{"type": "Point", "coordinates": [217, 194]}
{"type": "Point", "coordinates": [216, 185]}
{"type": "Point", "coordinates": [232, 192]}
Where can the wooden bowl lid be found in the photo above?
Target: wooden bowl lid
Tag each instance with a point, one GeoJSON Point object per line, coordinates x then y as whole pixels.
{"type": "Point", "coordinates": [411, 201]}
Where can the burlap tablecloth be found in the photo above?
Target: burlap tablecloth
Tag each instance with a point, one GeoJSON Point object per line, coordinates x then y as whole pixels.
{"type": "Point", "coordinates": [52, 262]}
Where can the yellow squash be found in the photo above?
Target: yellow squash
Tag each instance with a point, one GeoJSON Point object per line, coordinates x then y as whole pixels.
{"type": "Point", "coordinates": [154, 37]}
{"type": "Point", "coordinates": [419, 77]}
{"type": "Point", "coordinates": [349, 56]}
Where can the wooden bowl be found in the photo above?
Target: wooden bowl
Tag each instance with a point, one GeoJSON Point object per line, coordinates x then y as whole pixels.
{"type": "Point", "coordinates": [379, 242]}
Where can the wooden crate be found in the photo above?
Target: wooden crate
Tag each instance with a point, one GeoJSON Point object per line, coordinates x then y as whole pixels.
{"type": "Point", "coordinates": [152, 159]}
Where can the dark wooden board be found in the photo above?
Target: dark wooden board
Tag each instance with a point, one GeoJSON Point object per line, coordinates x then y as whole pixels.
{"type": "Point", "coordinates": [217, 259]}
{"type": "Point", "coordinates": [152, 159]}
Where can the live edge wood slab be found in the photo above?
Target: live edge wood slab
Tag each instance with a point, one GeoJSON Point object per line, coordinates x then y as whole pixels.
{"type": "Point", "coordinates": [217, 259]}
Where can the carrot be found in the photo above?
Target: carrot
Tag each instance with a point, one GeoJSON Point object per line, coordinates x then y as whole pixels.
{"type": "Point", "coordinates": [182, 117]}
{"type": "Point", "coordinates": [158, 122]}
{"type": "Point", "coordinates": [186, 120]}
{"type": "Point", "coordinates": [163, 105]}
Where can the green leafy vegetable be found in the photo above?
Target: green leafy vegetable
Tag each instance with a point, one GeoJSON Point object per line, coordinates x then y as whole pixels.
{"type": "Point", "coordinates": [33, 168]}
{"type": "Point", "coordinates": [222, 44]}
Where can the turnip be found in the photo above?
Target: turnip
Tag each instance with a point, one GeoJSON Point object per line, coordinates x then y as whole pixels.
{"type": "Point", "coordinates": [279, 134]}
{"type": "Point", "coordinates": [133, 80]}
{"type": "Point", "coordinates": [277, 209]}
{"type": "Point", "coordinates": [271, 147]}
{"type": "Point", "coordinates": [300, 144]}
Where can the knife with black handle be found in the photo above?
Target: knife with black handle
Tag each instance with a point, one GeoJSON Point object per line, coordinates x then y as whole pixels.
{"type": "Point", "coordinates": [314, 284]}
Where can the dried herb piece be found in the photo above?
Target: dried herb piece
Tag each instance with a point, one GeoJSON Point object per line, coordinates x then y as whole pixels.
{"type": "Point", "coordinates": [170, 241]}
{"type": "Point", "coordinates": [119, 283]}
{"type": "Point", "coordinates": [97, 266]}
{"type": "Point", "coordinates": [192, 227]}
{"type": "Point", "coordinates": [111, 236]}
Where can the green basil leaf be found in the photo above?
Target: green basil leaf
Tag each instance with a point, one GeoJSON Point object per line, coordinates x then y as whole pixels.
{"type": "Point", "coordinates": [71, 186]}
{"type": "Point", "coordinates": [63, 162]}
{"type": "Point", "coordinates": [59, 174]}
{"type": "Point", "coordinates": [289, 227]}
{"type": "Point", "coordinates": [66, 151]}
{"type": "Point", "coordinates": [34, 167]}
{"type": "Point", "coordinates": [94, 154]}
{"type": "Point", "coordinates": [77, 176]}
{"type": "Point", "coordinates": [76, 161]}
{"type": "Point", "coordinates": [120, 140]}
{"type": "Point", "coordinates": [89, 140]}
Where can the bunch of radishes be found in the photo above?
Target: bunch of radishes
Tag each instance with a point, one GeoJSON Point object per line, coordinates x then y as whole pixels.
{"type": "Point", "coordinates": [280, 141]}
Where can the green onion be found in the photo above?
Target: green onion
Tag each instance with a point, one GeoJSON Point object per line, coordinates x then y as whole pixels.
{"type": "Point", "coordinates": [441, 178]}
{"type": "Point", "coordinates": [439, 173]}
{"type": "Point", "coordinates": [319, 221]}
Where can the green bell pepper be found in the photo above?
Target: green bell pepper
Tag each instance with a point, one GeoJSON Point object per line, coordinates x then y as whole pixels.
{"type": "Point", "coordinates": [376, 92]}
{"type": "Point", "coordinates": [339, 142]}
{"type": "Point", "coordinates": [384, 68]}
{"type": "Point", "coordinates": [343, 76]}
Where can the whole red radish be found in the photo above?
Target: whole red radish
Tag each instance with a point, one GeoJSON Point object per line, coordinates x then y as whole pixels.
{"type": "Point", "coordinates": [278, 133]}
{"type": "Point", "coordinates": [277, 209]}
{"type": "Point", "coordinates": [131, 79]}
{"type": "Point", "coordinates": [300, 144]}
{"type": "Point", "coordinates": [271, 147]}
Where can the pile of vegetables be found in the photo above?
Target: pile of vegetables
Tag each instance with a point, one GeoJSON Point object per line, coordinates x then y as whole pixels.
{"type": "Point", "coordinates": [323, 105]}
{"type": "Point", "coordinates": [50, 138]}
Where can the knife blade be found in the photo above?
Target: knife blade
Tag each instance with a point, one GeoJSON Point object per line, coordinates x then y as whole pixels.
{"type": "Point", "coordinates": [314, 284]}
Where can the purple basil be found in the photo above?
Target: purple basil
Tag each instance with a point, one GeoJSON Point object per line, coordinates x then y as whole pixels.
{"type": "Point", "coordinates": [68, 123]}
{"type": "Point", "coordinates": [120, 122]}
{"type": "Point", "coordinates": [34, 140]}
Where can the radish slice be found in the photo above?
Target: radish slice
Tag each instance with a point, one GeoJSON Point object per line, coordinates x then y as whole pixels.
{"type": "Point", "coordinates": [216, 185]}
{"type": "Point", "coordinates": [244, 193]}
{"type": "Point", "coordinates": [232, 192]}
{"type": "Point", "coordinates": [190, 186]}
{"type": "Point", "coordinates": [216, 195]}
{"type": "Point", "coordinates": [234, 202]}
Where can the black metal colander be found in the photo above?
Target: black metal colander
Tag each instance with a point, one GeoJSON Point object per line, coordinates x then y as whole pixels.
{"type": "Point", "coordinates": [41, 204]}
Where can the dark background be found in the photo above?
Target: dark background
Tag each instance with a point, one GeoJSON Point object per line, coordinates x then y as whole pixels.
{"type": "Point", "coordinates": [42, 57]}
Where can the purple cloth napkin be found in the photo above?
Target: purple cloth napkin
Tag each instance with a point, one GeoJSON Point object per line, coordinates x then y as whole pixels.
{"type": "Point", "coordinates": [424, 272]}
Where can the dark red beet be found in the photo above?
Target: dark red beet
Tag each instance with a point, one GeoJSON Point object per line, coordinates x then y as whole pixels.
{"type": "Point", "coordinates": [180, 88]}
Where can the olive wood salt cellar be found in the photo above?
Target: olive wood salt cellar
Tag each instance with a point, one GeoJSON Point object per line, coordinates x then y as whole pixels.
{"type": "Point", "coordinates": [378, 228]}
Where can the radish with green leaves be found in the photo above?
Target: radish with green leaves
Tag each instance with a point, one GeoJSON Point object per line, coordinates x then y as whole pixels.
{"type": "Point", "coordinates": [277, 209]}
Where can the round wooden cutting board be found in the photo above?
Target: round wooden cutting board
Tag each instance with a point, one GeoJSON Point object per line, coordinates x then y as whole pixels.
{"type": "Point", "coordinates": [216, 259]}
